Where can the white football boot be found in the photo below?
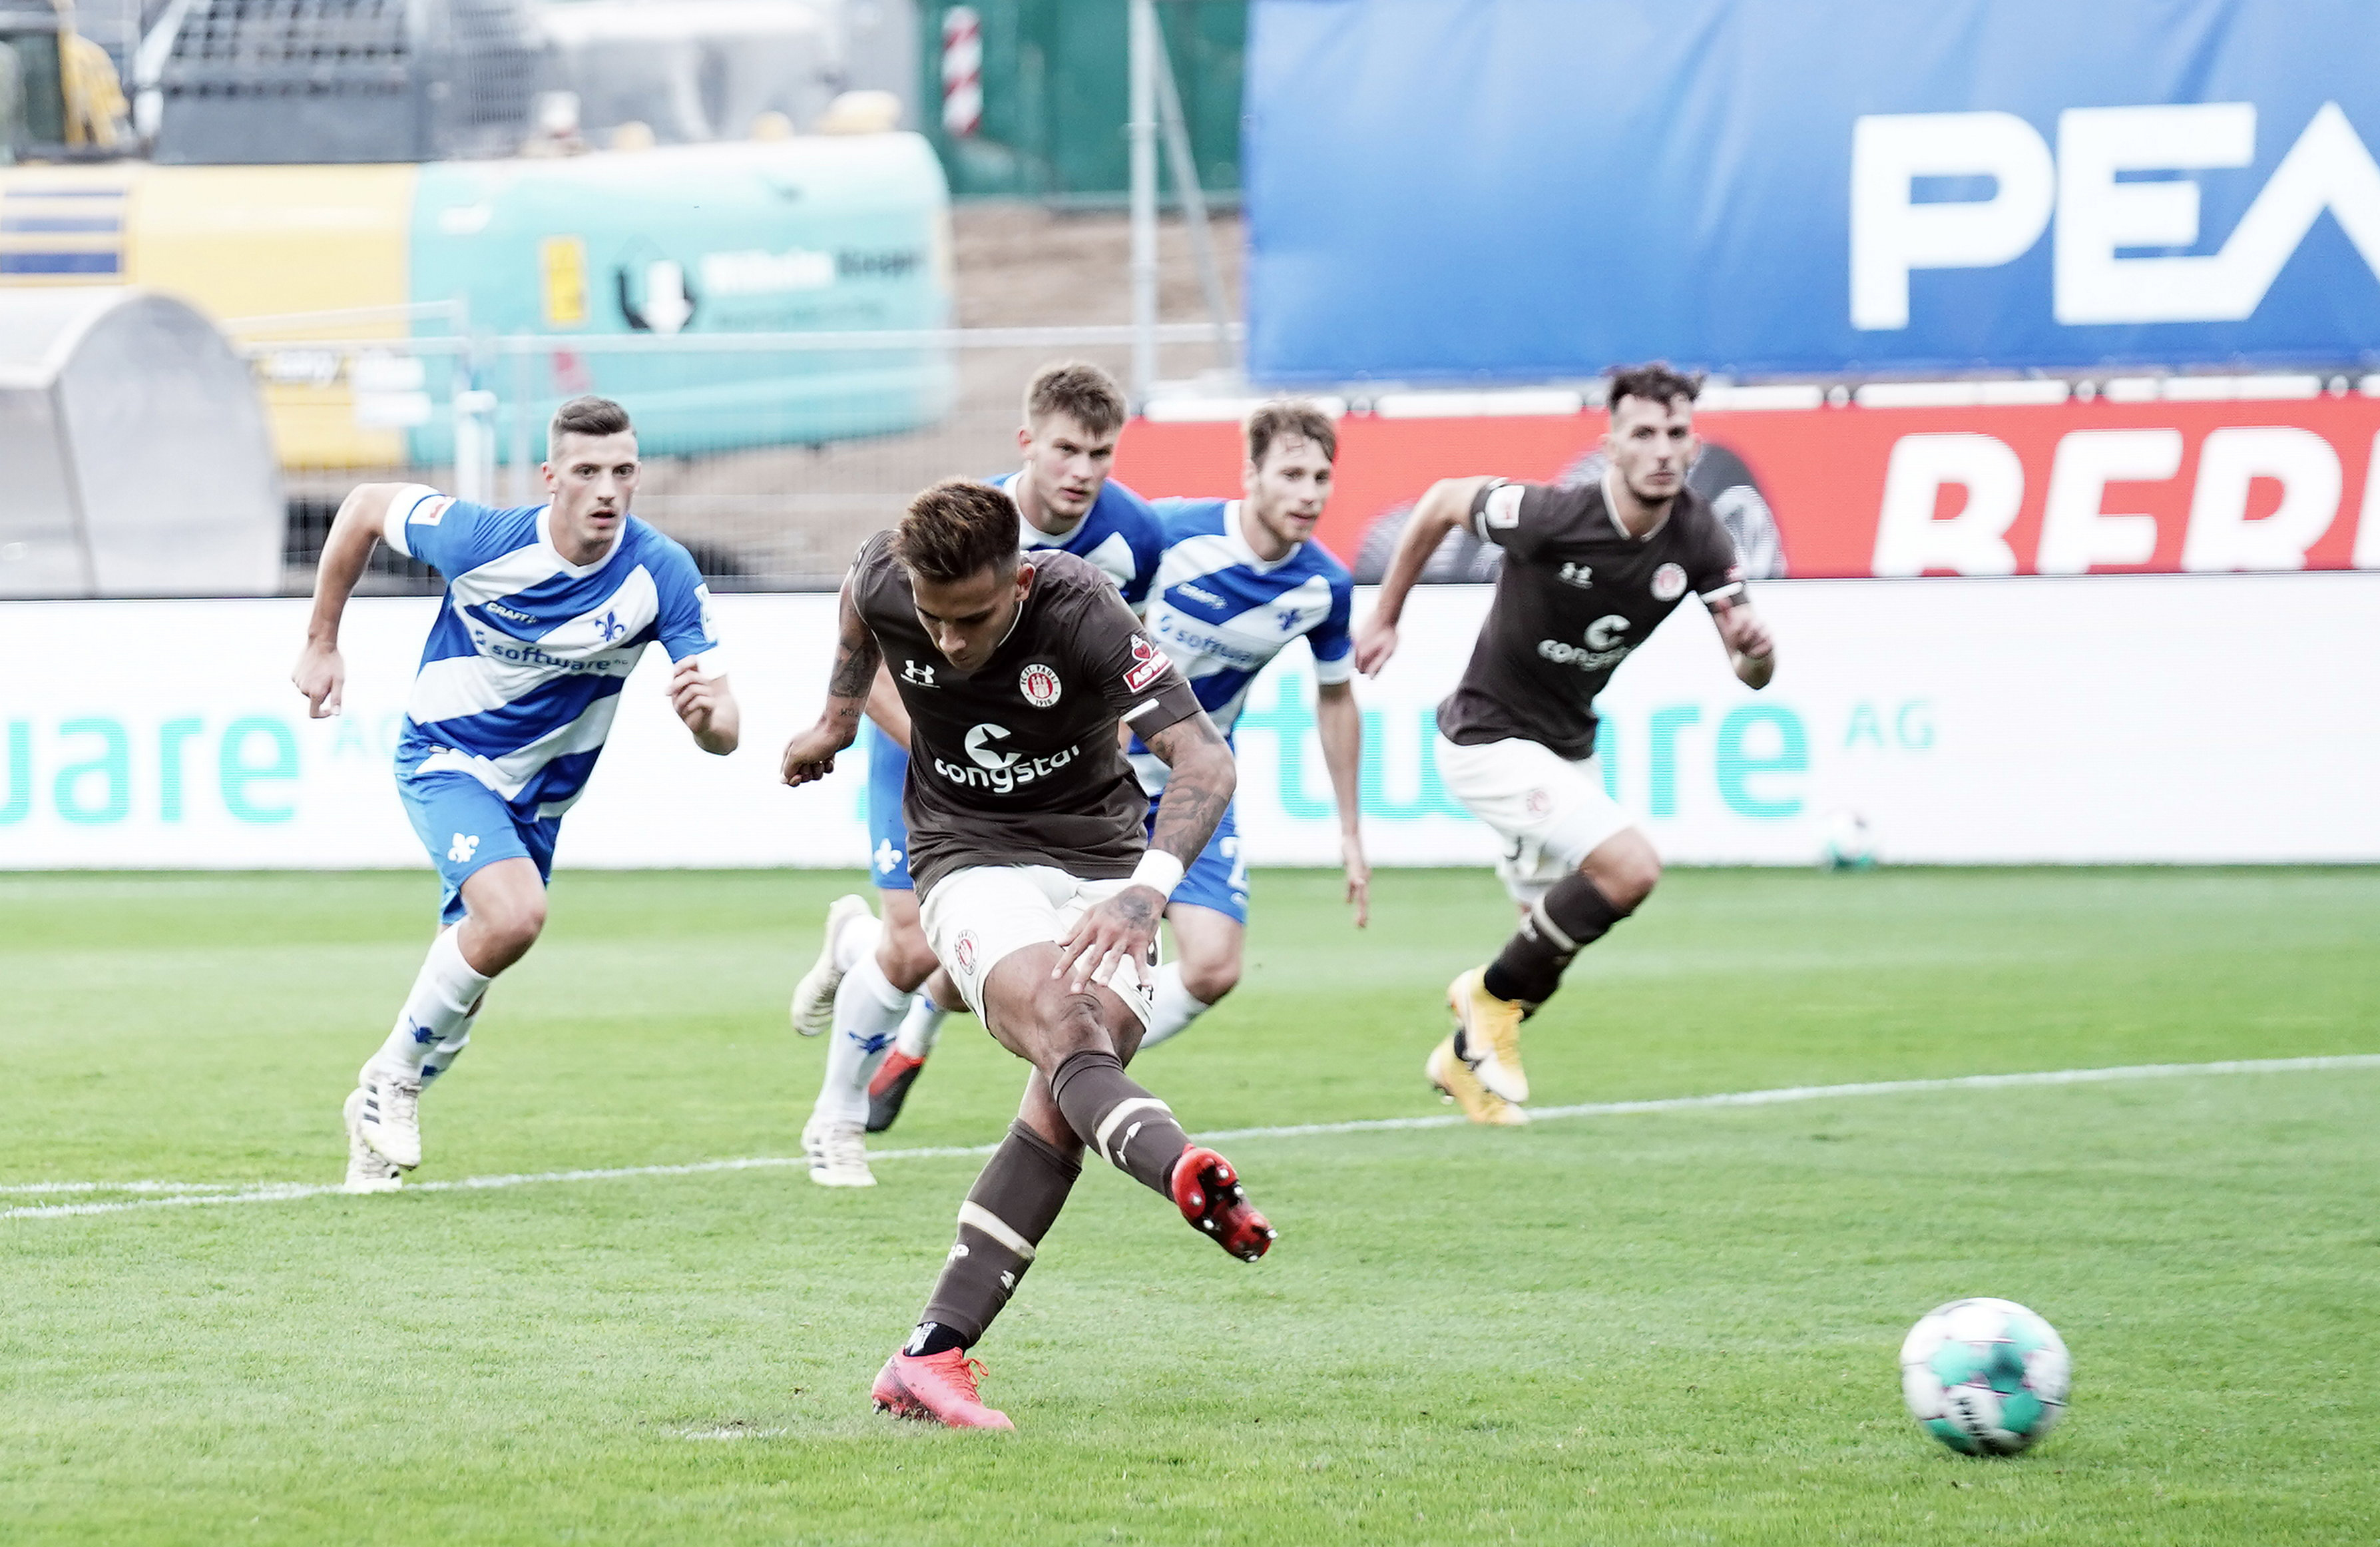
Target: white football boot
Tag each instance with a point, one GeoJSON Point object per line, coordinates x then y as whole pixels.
{"type": "Point", "coordinates": [813, 1006]}
{"type": "Point", "coordinates": [389, 1116]}
{"type": "Point", "coordinates": [368, 1170]}
{"type": "Point", "coordinates": [838, 1154]}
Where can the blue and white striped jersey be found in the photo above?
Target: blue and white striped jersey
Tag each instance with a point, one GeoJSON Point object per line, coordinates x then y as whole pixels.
{"type": "Point", "coordinates": [1119, 534]}
{"type": "Point", "coordinates": [1221, 613]}
{"type": "Point", "coordinates": [521, 673]}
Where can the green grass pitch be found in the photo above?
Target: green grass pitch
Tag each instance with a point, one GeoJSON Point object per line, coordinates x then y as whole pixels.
{"type": "Point", "coordinates": [1669, 1327]}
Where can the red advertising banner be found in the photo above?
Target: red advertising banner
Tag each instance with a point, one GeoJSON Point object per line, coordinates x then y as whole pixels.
{"type": "Point", "coordinates": [2074, 488]}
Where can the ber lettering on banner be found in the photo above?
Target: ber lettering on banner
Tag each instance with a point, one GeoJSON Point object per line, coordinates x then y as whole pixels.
{"type": "Point", "coordinates": [2075, 488]}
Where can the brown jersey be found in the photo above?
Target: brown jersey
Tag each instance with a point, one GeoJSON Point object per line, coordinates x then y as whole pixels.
{"type": "Point", "coordinates": [1017, 762]}
{"type": "Point", "coordinates": [1575, 595]}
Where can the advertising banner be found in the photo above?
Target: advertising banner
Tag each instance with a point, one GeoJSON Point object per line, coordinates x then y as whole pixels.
{"type": "Point", "coordinates": [1532, 190]}
{"type": "Point", "coordinates": [2144, 718]}
{"type": "Point", "coordinates": [2057, 489]}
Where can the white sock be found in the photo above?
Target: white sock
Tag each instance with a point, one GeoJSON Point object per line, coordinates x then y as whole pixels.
{"type": "Point", "coordinates": [867, 1011]}
{"type": "Point", "coordinates": [922, 1027]}
{"type": "Point", "coordinates": [856, 940]}
{"type": "Point", "coordinates": [442, 1057]}
{"type": "Point", "coordinates": [1174, 1009]}
{"type": "Point", "coordinates": [436, 1012]}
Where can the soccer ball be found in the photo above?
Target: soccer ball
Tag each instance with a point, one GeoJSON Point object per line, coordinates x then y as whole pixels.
{"type": "Point", "coordinates": [1984, 1377]}
{"type": "Point", "coordinates": [1849, 843]}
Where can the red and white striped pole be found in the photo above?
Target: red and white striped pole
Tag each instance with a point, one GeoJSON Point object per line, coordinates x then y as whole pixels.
{"type": "Point", "coordinates": [962, 72]}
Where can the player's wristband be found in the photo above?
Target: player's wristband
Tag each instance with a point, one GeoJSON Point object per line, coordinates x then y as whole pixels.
{"type": "Point", "coordinates": [1158, 870]}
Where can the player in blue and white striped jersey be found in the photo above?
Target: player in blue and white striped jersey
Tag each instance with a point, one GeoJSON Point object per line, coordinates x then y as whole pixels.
{"type": "Point", "coordinates": [1240, 579]}
{"type": "Point", "coordinates": [547, 610]}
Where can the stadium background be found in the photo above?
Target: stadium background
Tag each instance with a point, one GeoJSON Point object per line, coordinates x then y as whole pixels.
{"type": "Point", "coordinates": [829, 332]}
{"type": "Point", "coordinates": [2042, 397]}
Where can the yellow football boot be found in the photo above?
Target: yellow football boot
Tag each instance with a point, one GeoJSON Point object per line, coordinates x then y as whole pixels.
{"type": "Point", "coordinates": [1454, 1079]}
{"type": "Point", "coordinates": [1491, 1035]}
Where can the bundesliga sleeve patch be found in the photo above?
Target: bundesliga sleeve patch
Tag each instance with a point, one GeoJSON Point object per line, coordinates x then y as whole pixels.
{"type": "Point", "coordinates": [1503, 505]}
{"type": "Point", "coordinates": [1147, 663]}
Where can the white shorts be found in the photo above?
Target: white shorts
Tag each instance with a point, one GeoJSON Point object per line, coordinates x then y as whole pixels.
{"type": "Point", "coordinates": [1550, 811]}
{"type": "Point", "coordinates": [977, 918]}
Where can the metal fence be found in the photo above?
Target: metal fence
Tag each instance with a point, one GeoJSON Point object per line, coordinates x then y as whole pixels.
{"type": "Point", "coordinates": [769, 456]}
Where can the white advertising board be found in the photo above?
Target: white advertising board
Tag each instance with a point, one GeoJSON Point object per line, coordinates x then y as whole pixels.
{"type": "Point", "coordinates": [2150, 718]}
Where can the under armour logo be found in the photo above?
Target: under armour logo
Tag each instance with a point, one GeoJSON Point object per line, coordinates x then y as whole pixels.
{"type": "Point", "coordinates": [611, 628]}
{"type": "Point", "coordinates": [888, 858]}
{"type": "Point", "coordinates": [877, 1043]}
{"type": "Point", "coordinates": [463, 847]}
{"type": "Point", "coordinates": [422, 1035]}
{"type": "Point", "coordinates": [1577, 575]}
{"type": "Point", "coordinates": [1007, 1280]}
{"type": "Point", "coordinates": [922, 675]}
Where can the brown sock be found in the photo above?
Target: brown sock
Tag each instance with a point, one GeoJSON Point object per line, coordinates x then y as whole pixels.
{"type": "Point", "coordinates": [1011, 1207]}
{"type": "Point", "coordinates": [1118, 1119]}
{"type": "Point", "coordinates": [1572, 915]}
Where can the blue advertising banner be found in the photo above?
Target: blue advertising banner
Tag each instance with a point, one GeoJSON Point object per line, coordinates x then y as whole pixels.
{"type": "Point", "coordinates": [1507, 190]}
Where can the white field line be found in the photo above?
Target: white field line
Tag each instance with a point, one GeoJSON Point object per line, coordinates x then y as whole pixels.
{"type": "Point", "coordinates": [194, 1194]}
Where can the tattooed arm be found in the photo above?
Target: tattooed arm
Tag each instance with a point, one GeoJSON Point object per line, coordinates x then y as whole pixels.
{"type": "Point", "coordinates": [810, 754]}
{"type": "Point", "coordinates": [1197, 791]}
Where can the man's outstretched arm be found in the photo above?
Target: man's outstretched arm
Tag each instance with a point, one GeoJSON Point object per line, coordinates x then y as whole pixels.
{"type": "Point", "coordinates": [708, 707]}
{"type": "Point", "coordinates": [810, 754]}
{"type": "Point", "coordinates": [1197, 791]}
{"type": "Point", "coordinates": [1341, 723]}
{"type": "Point", "coordinates": [1751, 648]}
{"type": "Point", "coordinates": [1446, 506]}
{"type": "Point", "coordinates": [320, 674]}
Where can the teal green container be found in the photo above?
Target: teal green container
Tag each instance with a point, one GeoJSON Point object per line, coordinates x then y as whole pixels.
{"type": "Point", "coordinates": [820, 233]}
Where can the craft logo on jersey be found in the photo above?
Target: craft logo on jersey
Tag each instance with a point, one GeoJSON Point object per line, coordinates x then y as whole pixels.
{"type": "Point", "coordinates": [1668, 583]}
{"type": "Point", "coordinates": [1147, 663]}
{"type": "Point", "coordinates": [922, 676]}
{"type": "Point", "coordinates": [1039, 685]}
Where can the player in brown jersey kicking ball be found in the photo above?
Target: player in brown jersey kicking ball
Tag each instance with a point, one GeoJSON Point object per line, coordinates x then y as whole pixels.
{"type": "Point", "coordinates": [1587, 576]}
{"type": "Point", "coordinates": [1039, 895]}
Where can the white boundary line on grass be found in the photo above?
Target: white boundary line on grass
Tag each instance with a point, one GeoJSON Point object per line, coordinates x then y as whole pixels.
{"type": "Point", "coordinates": [193, 1194]}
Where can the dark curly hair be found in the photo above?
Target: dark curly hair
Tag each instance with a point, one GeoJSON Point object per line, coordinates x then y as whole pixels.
{"type": "Point", "coordinates": [1655, 382]}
